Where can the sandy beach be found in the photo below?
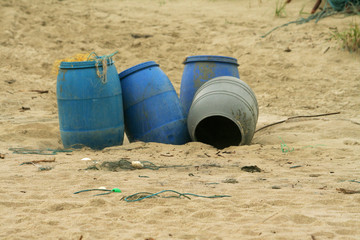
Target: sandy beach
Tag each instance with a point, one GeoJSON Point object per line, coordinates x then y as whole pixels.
{"type": "Point", "coordinates": [307, 181]}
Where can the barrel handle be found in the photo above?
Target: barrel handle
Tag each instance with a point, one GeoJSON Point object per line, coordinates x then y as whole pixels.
{"type": "Point", "coordinates": [104, 61]}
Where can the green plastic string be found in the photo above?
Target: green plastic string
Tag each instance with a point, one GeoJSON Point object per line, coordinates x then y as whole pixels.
{"type": "Point", "coordinates": [285, 148]}
{"type": "Point", "coordinates": [313, 146]}
{"type": "Point", "coordinates": [107, 191]}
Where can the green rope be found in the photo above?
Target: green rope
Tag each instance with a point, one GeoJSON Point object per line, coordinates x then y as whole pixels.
{"type": "Point", "coordinates": [99, 58]}
{"type": "Point", "coordinates": [143, 195]}
{"type": "Point", "coordinates": [91, 54]}
{"type": "Point", "coordinates": [354, 181]}
{"type": "Point", "coordinates": [284, 147]}
{"type": "Point", "coordinates": [47, 151]}
{"type": "Point", "coordinates": [107, 191]}
{"type": "Point", "coordinates": [326, 12]}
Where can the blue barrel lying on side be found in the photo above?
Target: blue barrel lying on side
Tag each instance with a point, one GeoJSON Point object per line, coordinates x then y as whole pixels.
{"type": "Point", "coordinates": [198, 70]}
{"type": "Point", "coordinates": [151, 106]}
{"type": "Point", "coordinates": [90, 106]}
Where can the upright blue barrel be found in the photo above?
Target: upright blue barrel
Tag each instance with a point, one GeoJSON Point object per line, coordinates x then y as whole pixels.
{"type": "Point", "coordinates": [90, 105]}
{"type": "Point", "coordinates": [198, 70]}
{"type": "Point", "coordinates": [151, 106]}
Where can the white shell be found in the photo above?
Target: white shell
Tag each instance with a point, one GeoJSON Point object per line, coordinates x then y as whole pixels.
{"type": "Point", "coordinates": [86, 159]}
{"type": "Point", "coordinates": [137, 164]}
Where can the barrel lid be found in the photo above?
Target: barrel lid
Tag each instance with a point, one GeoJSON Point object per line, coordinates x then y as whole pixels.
{"type": "Point", "coordinates": [84, 64]}
{"type": "Point", "coordinates": [136, 68]}
{"type": "Point", "coordinates": [211, 58]}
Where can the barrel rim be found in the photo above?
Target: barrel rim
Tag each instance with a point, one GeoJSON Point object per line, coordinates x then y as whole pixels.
{"type": "Point", "coordinates": [211, 58]}
{"type": "Point", "coordinates": [228, 79]}
{"type": "Point", "coordinates": [136, 68]}
{"type": "Point", "coordinates": [192, 134]}
{"type": "Point", "coordinates": [83, 64]}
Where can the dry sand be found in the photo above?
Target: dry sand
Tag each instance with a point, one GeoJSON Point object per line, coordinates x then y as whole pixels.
{"type": "Point", "coordinates": [295, 195]}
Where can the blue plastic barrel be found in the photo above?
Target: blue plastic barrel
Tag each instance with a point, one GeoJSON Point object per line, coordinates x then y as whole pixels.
{"type": "Point", "coordinates": [90, 106]}
{"type": "Point", "coordinates": [198, 70]}
{"type": "Point", "coordinates": [152, 108]}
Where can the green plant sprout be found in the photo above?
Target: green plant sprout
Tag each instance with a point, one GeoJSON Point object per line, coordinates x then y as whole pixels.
{"type": "Point", "coordinates": [349, 39]}
{"type": "Point", "coordinates": [280, 8]}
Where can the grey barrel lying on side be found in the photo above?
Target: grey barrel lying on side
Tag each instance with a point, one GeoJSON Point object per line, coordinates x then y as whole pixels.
{"type": "Point", "coordinates": [224, 112]}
